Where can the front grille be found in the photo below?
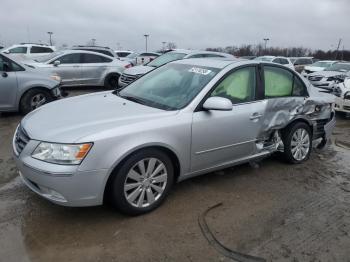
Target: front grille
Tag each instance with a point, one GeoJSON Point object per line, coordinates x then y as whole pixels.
{"type": "Point", "coordinates": [21, 139]}
{"type": "Point", "coordinates": [315, 78]}
{"type": "Point", "coordinates": [127, 79]}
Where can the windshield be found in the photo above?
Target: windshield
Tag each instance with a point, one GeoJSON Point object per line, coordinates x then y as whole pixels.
{"type": "Point", "coordinates": [166, 58]}
{"type": "Point", "coordinates": [132, 55]}
{"type": "Point", "coordinates": [339, 67]}
{"type": "Point", "coordinates": [170, 87]}
{"type": "Point", "coordinates": [45, 58]}
{"type": "Point", "coordinates": [264, 58]}
{"type": "Point", "coordinates": [322, 64]}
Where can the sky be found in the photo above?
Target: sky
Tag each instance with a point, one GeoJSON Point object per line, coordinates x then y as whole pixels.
{"type": "Point", "coordinates": [195, 24]}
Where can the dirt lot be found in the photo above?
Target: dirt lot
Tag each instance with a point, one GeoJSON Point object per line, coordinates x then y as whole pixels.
{"type": "Point", "coordinates": [273, 211]}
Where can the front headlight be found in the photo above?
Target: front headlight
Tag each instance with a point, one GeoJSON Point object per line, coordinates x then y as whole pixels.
{"type": "Point", "coordinates": [61, 153]}
{"type": "Point", "coordinates": [56, 77]}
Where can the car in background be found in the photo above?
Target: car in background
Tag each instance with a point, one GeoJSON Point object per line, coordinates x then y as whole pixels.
{"type": "Point", "coordinates": [276, 59]}
{"type": "Point", "coordinates": [133, 73]}
{"type": "Point", "coordinates": [300, 62]}
{"type": "Point", "coordinates": [131, 58]}
{"type": "Point", "coordinates": [248, 57]}
{"type": "Point", "coordinates": [184, 119]}
{"type": "Point", "coordinates": [98, 49]}
{"type": "Point", "coordinates": [327, 78]}
{"type": "Point", "coordinates": [83, 68]}
{"type": "Point", "coordinates": [28, 50]}
{"type": "Point", "coordinates": [122, 53]}
{"type": "Point", "coordinates": [144, 58]}
{"type": "Point", "coordinates": [342, 99]}
{"type": "Point", "coordinates": [23, 88]}
{"type": "Point", "coordinates": [317, 67]}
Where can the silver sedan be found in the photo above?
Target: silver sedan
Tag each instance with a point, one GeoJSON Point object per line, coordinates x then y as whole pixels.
{"type": "Point", "coordinates": [181, 120]}
{"type": "Point", "coordinates": [82, 68]}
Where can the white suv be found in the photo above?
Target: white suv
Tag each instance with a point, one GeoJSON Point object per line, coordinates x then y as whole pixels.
{"type": "Point", "coordinates": [28, 51]}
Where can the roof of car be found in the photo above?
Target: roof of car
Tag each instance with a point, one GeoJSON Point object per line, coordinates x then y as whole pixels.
{"type": "Point", "coordinates": [192, 52]}
{"type": "Point", "coordinates": [72, 51]}
{"type": "Point", "coordinates": [211, 62]}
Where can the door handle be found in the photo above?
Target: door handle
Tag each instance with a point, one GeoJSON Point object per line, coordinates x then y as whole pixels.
{"type": "Point", "coordinates": [255, 116]}
{"type": "Point", "coordinates": [4, 74]}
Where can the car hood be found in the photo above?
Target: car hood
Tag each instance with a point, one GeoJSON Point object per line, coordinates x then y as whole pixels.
{"type": "Point", "coordinates": [314, 68]}
{"type": "Point", "coordinates": [327, 73]}
{"type": "Point", "coordinates": [71, 120]}
{"type": "Point", "coordinates": [138, 70]}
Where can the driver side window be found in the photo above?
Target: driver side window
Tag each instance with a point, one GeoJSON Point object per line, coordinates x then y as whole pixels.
{"type": "Point", "coordinates": [239, 86]}
{"type": "Point", "coordinates": [69, 59]}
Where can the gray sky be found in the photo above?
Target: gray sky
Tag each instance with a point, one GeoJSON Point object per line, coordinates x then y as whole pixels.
{"type": "Point", "coordinates": [188, 23]}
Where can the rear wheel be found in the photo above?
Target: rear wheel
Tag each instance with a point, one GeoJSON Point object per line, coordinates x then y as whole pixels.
{"type": "Point", "coordinates": [297, 141]}
{"type": "Point", "coordinates": [111, 81]}
{"type": "Point", "coordinates": [33, 99]}
{"type": "Point", "coordinates": [142, 182]}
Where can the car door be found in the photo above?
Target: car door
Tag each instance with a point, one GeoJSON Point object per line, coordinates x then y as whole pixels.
{"type": "Point", "coordinates": [69, 68]}
{"type": "Point", "coordinates": [8, 85]}
{"type": "Point", "coordinates": [220, 137]}
{"type": "Point", "coordinates": [93, 68]}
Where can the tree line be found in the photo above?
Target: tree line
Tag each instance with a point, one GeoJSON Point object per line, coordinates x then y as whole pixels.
{"type": "Point", "coordinates": [259, 50]}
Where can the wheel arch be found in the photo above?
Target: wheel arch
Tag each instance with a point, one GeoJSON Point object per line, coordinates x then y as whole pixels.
{"type": "Point", "coordinates": [38, 87]}
{"type": "Point", "coordinates": [299, 120]}
{"type": "Point", "coordinates": [168, 151]}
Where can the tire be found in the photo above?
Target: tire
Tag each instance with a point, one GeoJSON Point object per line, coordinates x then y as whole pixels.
{"type": "Point", "coordinates": [111, 81]}
{"type": "Point", "coordinates": [133, 193]}
{"type": "Point", "coordinates": [297, 140]}
{"type": "Point", "coordinates": [33, 99]}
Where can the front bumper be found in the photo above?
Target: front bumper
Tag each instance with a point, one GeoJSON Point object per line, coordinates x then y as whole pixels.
{"type": "Point", "coordinates": [61, 184]}
{"type": "Point", "coordinates": [342, 105]}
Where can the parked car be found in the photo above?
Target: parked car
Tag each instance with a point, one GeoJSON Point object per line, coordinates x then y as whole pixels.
{"type": "Point", "coordinates": [83, 68]}
{"type": "Point", "coordinates": [276, 59]}
{"type": "Point", "coordinates": [184, 119]}
{"type": "Point", "coordinates": [300, 62]}
{"type": "Point", "coordinates": [98, 49]}
{"type": "Point", "coordinates": [144, 58]}
{"type": "Point", "coordinates": [328, 77]}
{"type": "Point", "coordinates": [133, 73]}
{"type": "Point", "coordinates": [317, 67]}
{"type": "Point", "coordinates": [23, 88]}
{"type": "Point", "coordinates": [248, 57]}
{"type": "Point", "coordinates": [342, 100]}
{"type": "Point", "coordinates": [28, 51]}
{"type": "Point", "coordinates": [131, 58]}
{"type": "Point", "coordinates": [123, 53]}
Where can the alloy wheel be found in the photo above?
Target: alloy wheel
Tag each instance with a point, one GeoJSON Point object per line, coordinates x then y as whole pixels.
{"type": "Point", "coordinates": [37, 100]}
{"type": "Point", "coordinates": [300, 144]}
{"type": "Point", "coordinates": [145, 182]}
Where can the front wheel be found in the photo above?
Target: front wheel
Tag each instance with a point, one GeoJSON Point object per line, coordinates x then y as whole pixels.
{"type": "Point", "coordinates": [297, 141]}
{"type": "Point", "coordinates": [142, 182]}
{"type": "Point", "coordinates": [33, 99]}
{"type": "Point", "coordinates": [111, 81]}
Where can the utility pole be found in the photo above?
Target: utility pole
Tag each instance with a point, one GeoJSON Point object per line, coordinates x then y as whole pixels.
{"type": "Point", "coordinates": [93, 41]}
{"type": "Point", "coordinates": [163, 45]}
{"type": "Point", "coordinates": [342, 54]}
{"type": "Point", "coordinates": [336, 52]}
{"type": "Point", "coordinates": [266, 39]}
{"type": "Point", "coordinates": [146, 37]}
{"type": "Point", "coordinates": [50, 35]}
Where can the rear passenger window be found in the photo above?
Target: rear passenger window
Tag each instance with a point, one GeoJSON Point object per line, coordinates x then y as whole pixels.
{"type": "Point", "coordinates": [280, 82]}
{"type": "Point", "coordinates": [39, 49]}
{"type": "Point", "coordinates": [284, 61]}
{"type": "Point", "coordinates": [239, 86]}
{"type": "Point", "coordinates": [90, 58]}
{"type": "Point", "coordinates": [18, 50]}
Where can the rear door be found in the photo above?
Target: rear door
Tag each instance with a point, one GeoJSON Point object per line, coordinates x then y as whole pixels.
{"type": "Point", "coordinates": [8, 85]}
{"type": "Point", "coordinates": [93, 68]}
{"type": "Point", "coordinates": [69, 69]}
{"type": "Point", "coordinates": [220, 137]}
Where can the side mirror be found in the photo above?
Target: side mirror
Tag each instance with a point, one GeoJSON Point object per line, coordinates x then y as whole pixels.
{"type": "Point", "coordinates": [218, 103]}
{"type": "Point", "coordinates": [6, 52]}
{"type": "Point", "coordinates": [56, 63]}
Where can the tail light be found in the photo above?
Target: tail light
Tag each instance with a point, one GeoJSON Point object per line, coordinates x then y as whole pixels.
{"type": "Point", "coordinates": [128, 66]}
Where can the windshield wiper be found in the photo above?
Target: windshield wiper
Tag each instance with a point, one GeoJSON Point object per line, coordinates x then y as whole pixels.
{"type": "Point", "coordinates": [133, 99]}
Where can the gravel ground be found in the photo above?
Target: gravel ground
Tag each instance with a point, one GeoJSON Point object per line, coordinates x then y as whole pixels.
{"type": "Point", "coordinates": [273, 211]}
